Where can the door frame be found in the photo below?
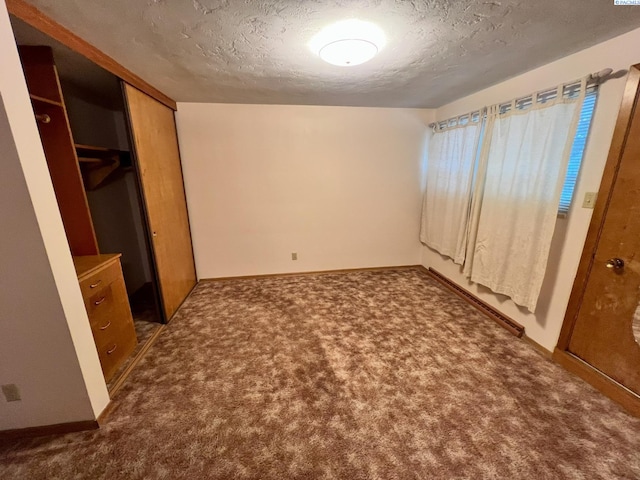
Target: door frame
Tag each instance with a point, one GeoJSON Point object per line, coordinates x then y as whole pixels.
{"type": "Point", "coordinates": [614, 390]}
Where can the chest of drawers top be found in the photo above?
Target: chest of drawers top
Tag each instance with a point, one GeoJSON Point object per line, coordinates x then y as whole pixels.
{"type": "Point", "coordinates": [92, 264]}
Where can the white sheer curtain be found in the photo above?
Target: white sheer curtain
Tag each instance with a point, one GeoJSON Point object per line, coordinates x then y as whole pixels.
{"type": "Point", "coordinates": [445, 210]}
{"type": "Point", "coordinates": [515, 204]}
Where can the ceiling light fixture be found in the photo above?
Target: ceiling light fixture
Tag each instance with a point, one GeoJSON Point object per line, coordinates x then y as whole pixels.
{"type": "Point", "coordinates": [348, 43]}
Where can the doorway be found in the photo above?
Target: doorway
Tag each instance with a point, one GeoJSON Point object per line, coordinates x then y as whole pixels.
{"type": "Point", "coordinates": [600, 338]}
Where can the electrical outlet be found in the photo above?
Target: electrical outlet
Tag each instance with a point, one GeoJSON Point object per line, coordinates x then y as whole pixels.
{"type": "Point", "coordinates": [294, 256]}
{"type": "Point", "coordinates": [590, 199]}
{"type": "Point", "coordinates": [11, 392]}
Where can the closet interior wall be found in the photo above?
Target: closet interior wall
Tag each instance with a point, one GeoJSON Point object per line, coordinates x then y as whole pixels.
{"type": "Point", "coordinates": [99, 121]}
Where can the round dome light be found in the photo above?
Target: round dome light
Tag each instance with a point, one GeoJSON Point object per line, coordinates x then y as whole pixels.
{"type": "Point", "coordinates": [348, 52]}
{"type": "Point", "coordinates": [348, 43]}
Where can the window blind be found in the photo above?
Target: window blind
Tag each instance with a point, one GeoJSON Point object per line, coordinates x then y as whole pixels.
{"type": "Point", "coordinates": [460, 121]}
{"type": "Point", "coordinates": [577, 150]}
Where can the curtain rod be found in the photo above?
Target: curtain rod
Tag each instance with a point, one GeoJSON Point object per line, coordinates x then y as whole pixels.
{"type": "Point", "coordinates": [596, 78]}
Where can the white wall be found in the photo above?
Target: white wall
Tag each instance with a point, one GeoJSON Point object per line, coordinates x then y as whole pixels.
{"type": "Point", "coordinates": [618, 53]}
{"type": "Point", "coordinates": [47, 346]}
{"type": "Point", "coordinates": [341, 186]}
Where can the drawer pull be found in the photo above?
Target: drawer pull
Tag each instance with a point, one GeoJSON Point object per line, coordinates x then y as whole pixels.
{"type": "Point", "coordinates": [106, 326]}
{"type": "Point", "coordinates": [98, 302]}
{"type": "Point", "coordinates": [113, 349]}
{"type": "Point", "coordinates": [94, 285]}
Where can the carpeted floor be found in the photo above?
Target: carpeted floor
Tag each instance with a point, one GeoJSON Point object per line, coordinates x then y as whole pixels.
{"type": "Point", "coordinates": [366, 375]}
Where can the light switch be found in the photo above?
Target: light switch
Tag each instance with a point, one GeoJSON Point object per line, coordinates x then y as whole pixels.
{"type": "Point", "coordinates": [590, 199]}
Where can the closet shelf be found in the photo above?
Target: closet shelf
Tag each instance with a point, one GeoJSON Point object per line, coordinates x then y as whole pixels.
{"type": "Point", "coordinates": [96, 154]}
{"type": "Point", "coordinates": [45, 100]}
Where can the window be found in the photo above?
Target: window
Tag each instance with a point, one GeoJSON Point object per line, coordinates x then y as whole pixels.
{"type": "Point", "coordinates": [510, 224]}
{"type": "Point", "coordinates": [577, 151]}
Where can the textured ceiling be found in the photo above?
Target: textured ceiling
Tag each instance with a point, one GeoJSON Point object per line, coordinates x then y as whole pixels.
{"type": "Point", "coordinates": [245, 51]}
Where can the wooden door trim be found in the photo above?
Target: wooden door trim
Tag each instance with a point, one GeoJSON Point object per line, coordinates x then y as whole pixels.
{"type": "Point", "coordinates": [38, 20]}
{"type": "Point", "coordinates": [606, 385]}
{"type": "Point", "coordinates": [618, 143]}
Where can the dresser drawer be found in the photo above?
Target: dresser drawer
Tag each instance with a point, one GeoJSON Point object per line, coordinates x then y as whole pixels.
{"type": "Point", "coordinates": [105, 298]}
{"type": "Point", "coordinates": [112, 325]}
{"type": "Point", "coordinates": [109, 313]}
{"type": "Point", "coordinates": [91, 284]}
{"type": "Point", "coordinates": [100, 305]}
{"type": "Point", "coordinates": [116, 351]}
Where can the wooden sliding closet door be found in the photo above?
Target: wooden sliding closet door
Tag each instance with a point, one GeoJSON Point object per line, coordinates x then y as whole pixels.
{"type": "Point", "coordinates": [155, 145]}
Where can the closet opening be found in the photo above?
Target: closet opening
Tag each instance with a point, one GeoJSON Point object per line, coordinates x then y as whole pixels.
{"type": "Point", "coordinates": [99, 128]}
{"type": "Point", "coordinates": [99, 133]}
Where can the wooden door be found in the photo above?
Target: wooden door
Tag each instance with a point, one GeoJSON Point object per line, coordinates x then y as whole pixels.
{"type": "Point", "coordinates": [606, 326]}
{"type": "Point", "coordinates": [155, 146]}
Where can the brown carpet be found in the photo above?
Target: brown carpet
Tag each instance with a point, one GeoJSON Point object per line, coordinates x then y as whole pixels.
{"type": "Point", "coordinates": [367, 375]}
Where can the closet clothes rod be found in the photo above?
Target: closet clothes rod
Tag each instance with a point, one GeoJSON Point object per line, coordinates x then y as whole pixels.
{"type": "Point", "coordinates": [43, 118]}
{"type": "Point", "coordinates": [593, 79]}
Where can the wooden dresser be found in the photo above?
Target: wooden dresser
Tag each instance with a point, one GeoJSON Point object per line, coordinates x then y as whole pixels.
{"type": "Point", "coordinates": [107, 304]}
